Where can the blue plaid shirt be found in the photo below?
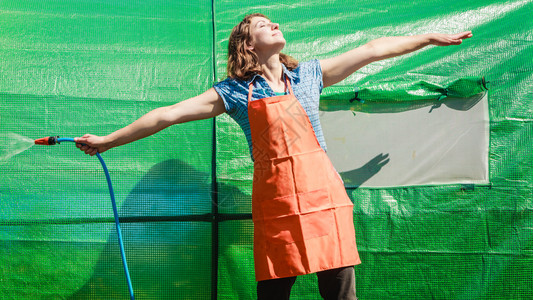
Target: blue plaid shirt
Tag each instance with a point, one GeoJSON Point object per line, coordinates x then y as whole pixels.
{"type": "Point", "coordinates": [306, 82]}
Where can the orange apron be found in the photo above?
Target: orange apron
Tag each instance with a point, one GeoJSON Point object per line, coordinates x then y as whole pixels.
{"type": "Point", "coordinates": [303, 218]}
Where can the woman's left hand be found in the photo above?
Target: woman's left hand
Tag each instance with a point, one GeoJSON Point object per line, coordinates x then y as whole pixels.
{"type": "Point", "coordinates": [442, 39]}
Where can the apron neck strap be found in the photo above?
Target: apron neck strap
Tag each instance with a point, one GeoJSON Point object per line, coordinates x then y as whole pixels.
{"type": "Point", "coordinates": [251, 87]}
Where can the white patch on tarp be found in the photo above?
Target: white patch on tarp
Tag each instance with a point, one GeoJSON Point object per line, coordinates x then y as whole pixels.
{"type": "Point", "coordinates": [438, 144]}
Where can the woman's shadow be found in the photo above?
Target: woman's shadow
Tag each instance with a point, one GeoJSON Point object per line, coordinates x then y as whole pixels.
{"type": "Point", "coordinates": [167, 238]}
{"type": "Point", "coordinates": [356, 177]}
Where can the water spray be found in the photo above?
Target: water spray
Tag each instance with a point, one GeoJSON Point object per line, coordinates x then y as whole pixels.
{"type": "Point", "coordinates": [52, 140]}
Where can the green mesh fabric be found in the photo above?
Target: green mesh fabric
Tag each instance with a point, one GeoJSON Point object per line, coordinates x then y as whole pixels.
{"type": "Point", "coordinates": [71, 67]}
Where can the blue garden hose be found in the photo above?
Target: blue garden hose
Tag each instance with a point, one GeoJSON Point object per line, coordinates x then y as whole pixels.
{"type": "Point", "coordinates": [52, 141]}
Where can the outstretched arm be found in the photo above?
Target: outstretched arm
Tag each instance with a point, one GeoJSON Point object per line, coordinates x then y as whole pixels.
{"type": "Point", "coordinates": [337, 68]}
{"type": "Point", "coordinates": [206, 105]}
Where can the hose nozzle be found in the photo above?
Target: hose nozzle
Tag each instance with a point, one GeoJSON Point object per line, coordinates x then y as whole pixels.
{"type": "Point", "coordinates": [49, 140]}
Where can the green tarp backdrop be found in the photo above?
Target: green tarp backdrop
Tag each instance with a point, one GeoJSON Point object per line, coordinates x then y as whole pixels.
{"type": "Point", "coordinates": [69, 67]}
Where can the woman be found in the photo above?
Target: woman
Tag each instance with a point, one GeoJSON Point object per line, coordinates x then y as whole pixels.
{"type": "Point", "coordinates": [303, 219]}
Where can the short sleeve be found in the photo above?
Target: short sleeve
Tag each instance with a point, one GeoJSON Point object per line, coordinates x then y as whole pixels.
{"type": "Point", "coordinates": [313, 70]}
{"type": "Point", "coordinates": [225, 89]}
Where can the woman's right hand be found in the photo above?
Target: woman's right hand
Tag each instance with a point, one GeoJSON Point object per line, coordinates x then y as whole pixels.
{"type": "Point", "coordinates": [92, 144]}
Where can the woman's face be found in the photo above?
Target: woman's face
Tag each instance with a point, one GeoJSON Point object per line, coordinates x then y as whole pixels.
{"type": "Point", "coordinates": [265, 35]}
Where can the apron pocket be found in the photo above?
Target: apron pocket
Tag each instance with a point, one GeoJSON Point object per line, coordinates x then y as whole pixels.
{"type": "Point", "coordinates": [279, 207]}
{"type": "Point", "coordinates": [317, 224]}
{"type": "Point", "coordinates": [314, 201]}
{"type": "Point", "coordinates": [311, 171]}
{"type": "Point", "coordinates": [272, 179]}
{"type": "Point", "coordinates": [283, 230]}
{"type": "Point", "coordinates": [297, 228]}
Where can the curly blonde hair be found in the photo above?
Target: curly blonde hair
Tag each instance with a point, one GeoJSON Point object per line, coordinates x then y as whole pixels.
{"type": "Point", "coordinates": [243, 63]}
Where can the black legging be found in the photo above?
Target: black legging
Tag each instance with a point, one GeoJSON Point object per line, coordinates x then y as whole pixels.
{"type": "Point", "coordinates": [335, 284]}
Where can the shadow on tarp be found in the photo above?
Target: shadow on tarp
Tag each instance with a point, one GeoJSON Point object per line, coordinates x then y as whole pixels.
{"type": "Point", "coordinates": [167, 259]}
{"type": "Point", "coordinates": [353, 179]}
